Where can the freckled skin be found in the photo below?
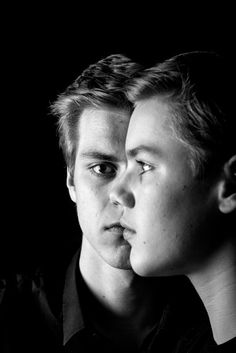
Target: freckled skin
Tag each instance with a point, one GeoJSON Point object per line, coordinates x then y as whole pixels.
{"type": "Point", "coordinates": [174, 211]}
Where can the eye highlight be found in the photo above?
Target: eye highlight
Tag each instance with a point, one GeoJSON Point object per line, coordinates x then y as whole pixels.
{"type": "Point", "coordinates": [145, 167]}
{"type": "Point", "coordinates": [105, 170]}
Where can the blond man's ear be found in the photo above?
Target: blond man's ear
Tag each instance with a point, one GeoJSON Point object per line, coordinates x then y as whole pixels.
{"type": "Point", "coordinates": [70, 185]}
{"type": "Point", "coordinates": [227, 187]}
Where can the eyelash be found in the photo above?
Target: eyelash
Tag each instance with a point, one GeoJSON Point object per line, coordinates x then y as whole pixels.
{"type": "Point", "coordinates": [142, 164]}
{"type": "Point", "coordinates": [100, 174]}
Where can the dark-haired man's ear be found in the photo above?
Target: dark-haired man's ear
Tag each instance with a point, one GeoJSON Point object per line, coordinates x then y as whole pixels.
{"type": "Point", "coordinates": [227, 189]}
{"type": "Point", "coordinates": [70, 185]}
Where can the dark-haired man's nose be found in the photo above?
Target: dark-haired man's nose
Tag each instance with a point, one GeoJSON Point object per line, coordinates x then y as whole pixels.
{"type": "Point", "coordinates": [121, 195]}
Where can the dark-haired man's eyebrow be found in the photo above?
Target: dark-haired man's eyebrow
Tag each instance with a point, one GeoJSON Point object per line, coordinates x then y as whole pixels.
{"type": "Point", "coordinates": [99, 156]}
{"type": "Point", "coordinates": [132, 153]}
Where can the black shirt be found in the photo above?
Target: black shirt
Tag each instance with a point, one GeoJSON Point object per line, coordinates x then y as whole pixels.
{"type": "Point", "coordinates": [39, 314]}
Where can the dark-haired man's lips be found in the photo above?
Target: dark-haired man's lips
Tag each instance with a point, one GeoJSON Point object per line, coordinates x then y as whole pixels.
{"type": "Point", "coordinates": [120, 229]}
{"type": "Point", "coordinates": [115, 228]}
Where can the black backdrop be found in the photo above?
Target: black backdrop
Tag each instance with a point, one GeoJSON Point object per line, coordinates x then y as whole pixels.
{"type": "Point", "coordinates": [41, 55]}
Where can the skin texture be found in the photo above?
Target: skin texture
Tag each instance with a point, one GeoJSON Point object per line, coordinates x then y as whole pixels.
{"type": "Point", "coordinates": [99, 162]}
{"type": "Point", "coordinates": [168, 209]}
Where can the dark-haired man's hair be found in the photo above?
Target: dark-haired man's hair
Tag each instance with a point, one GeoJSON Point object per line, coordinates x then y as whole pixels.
{"type": "Point", "coordinates": [102, 84]}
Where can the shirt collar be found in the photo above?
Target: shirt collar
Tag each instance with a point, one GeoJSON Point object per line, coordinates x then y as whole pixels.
{"type": "Point", "coordinates": [73, 321]}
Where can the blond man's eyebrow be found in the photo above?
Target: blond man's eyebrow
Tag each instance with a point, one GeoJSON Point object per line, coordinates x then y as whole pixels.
{"type": "Point", "coordinates": [132, 153]}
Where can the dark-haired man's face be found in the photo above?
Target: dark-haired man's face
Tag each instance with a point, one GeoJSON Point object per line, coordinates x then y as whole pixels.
{"type": "Point", "coordinates": [172, 212]}
{"type": "Point", "coordinates": [99, 162]}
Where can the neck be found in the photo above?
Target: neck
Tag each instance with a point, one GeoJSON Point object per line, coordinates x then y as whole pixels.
{"type": "Point", "coordinates": [118, 290]}
{"type": "Point", "coordinates": [124, 305]}
{"type": "Point", "coordinates": [216, 285]}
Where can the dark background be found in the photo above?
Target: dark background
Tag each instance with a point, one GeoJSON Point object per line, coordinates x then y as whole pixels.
{"type": "Point", "coordinates": [42, 53]}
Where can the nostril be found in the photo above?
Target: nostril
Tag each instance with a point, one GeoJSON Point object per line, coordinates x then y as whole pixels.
{"type": "Point", "coordinates": [115, 202]}
{"type": "Point", "coordinates": [114, 199]}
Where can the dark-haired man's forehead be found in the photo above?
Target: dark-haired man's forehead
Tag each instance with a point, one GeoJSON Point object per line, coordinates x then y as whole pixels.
{"type": "Point", "coordinates": [102, 120]}
{"type": "Point", "coordinates": [102, 135]}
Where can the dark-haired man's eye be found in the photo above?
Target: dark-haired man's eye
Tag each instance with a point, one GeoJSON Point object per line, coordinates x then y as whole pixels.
{"type": "Point", "coordinates": [103, 169]}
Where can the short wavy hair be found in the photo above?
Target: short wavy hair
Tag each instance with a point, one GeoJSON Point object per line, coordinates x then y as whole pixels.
{"type": "Point", "coordinates": [200, 88]}
{"type": "Point", "coordinates": [101, 84]}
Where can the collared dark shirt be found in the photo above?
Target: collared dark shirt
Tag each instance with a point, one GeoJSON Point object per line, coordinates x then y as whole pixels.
{"type": "Point", "coordinates": [78, 332]}
{"type": "Point", "coordinates": [199, 340]}
{"type": "Point", "coordinates": [37, 315]}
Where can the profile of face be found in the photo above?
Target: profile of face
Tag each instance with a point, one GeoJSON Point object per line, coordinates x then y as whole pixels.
{"type": "Point", "coordinates": [99, 161]}
{"type": "Point", "coordinates": [168, 211]}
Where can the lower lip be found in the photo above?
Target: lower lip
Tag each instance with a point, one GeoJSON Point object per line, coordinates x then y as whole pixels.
{"type": "Point", "coordinates": [128, 234]}
{"type": "Point", "coordinates": [116, 230]}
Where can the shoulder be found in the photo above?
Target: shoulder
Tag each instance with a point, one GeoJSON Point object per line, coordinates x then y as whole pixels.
{"type": "Point", "coordinates": [27, 318]}
{"type": "Point", "coordinates": [227, 347]}
{"type": "Point", "coordinates": [200, 340]}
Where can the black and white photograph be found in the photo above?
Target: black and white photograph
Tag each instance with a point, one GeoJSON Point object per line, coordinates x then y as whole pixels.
{"type": "Point", "coordinates": [119, 160]}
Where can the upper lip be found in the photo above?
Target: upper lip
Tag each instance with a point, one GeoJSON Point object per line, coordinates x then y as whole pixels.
{"type": "Point", "coordinates": [115, 224]}
{"type": "Point", "coordinates": [124, 225]}
{"type": "Point", "coordinates": [120, 224]}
